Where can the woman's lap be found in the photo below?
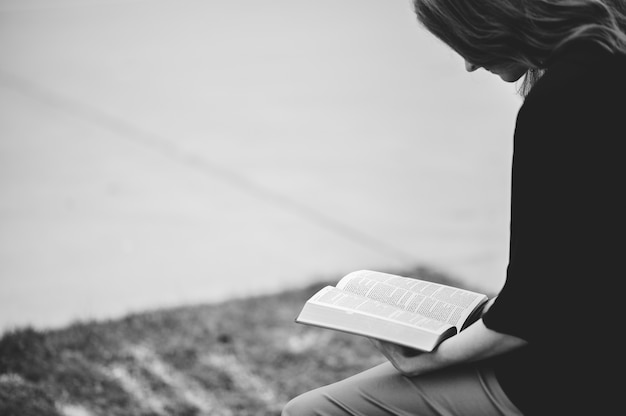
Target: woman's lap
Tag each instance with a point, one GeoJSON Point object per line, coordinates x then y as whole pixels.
{"type": "Point", "coordinates": [382, 390]}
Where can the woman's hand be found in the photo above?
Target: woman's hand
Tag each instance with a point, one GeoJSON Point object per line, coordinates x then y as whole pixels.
{"type": "Point", "coordinates": [402, 358]}
{"type": "Point", "coordinates": [476, 342]}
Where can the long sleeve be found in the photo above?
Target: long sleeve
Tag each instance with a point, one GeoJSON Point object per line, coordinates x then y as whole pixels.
{"type": "Point", "coordinates": [566, 234]}
{"type": "Point", "coordinates": [567, 186]}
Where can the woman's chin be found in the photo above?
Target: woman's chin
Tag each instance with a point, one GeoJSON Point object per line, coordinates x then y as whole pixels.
{"type": "Point", "coordinates": [511, 79]}
{"type": "Point", "coordinates": [511, 76]}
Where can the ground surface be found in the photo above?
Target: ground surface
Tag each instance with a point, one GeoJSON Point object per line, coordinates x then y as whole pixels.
{"type": "Point", "coordinates": [241, 357]}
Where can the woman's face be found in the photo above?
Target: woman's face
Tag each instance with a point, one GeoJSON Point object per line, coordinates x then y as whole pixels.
{"type": "Point", "coordinates": [508, 73]}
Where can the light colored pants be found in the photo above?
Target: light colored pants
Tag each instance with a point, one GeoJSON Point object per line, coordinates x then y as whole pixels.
{"type": "Point", "coordinates": [464, 390]}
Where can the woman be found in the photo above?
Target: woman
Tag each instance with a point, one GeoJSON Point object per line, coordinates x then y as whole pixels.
{"type": "Point", "coordinates": [547, 343]}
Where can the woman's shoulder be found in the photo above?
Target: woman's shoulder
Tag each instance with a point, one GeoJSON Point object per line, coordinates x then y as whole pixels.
{"type": "Point", "coordinates": [582, 88]}
{"type": "Point", "coordinates": [576, 109]}
{"type": "Point", "coordinates": [578, 74]}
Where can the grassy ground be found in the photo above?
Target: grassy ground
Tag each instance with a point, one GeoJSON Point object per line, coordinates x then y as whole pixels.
{"type": "Point", "coordinates": [240, 357]}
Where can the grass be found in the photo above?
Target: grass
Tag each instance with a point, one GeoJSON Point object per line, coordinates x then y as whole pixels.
{"type": "Point", "coordinates": [240, 357]}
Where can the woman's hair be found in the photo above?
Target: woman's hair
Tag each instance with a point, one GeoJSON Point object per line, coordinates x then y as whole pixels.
{"type": "Point", "coordinates": [528, 32]}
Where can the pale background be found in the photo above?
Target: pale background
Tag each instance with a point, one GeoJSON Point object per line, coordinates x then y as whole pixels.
{"type": "Point", "coordinates": [161, 153]}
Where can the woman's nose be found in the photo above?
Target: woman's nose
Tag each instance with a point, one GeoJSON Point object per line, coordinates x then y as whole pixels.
{"type": "Point", "coordinates": [469, 67]}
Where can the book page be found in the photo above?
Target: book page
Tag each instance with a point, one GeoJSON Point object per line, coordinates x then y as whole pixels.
{"type": "Point", "coordinates": [433, 300]}
{"type": "Point", "coordinates": [339, 299]}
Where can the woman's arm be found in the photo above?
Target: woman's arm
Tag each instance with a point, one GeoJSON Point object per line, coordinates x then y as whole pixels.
{"type": "Point", "coordinates": [474, 343]}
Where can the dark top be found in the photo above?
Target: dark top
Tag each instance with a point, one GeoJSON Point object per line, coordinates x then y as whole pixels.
{"type": "Point", "coordinates": [563, 287]}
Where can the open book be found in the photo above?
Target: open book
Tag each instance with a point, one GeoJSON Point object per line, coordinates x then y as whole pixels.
{"type": "Point", "coordinates": [402, 310]}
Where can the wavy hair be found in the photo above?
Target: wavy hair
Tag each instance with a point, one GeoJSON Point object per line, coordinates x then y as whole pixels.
{"type": "Point", "coordinates": [528, 32]}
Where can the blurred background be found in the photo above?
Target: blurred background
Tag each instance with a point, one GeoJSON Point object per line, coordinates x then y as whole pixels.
{"type": "Point", "coordinates": [157, 153]}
